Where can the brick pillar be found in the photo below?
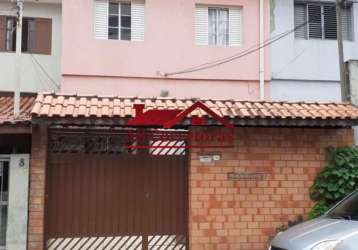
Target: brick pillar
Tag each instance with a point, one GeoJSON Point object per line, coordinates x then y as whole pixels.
{"type": "Point", "coordinates": [37, 187]}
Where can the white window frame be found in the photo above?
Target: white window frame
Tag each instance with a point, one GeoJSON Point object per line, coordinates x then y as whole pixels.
{"type": "Point", "coordinates": [234, 26]}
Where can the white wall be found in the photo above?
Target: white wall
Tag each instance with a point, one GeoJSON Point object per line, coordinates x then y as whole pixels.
{"type": "Point", "coordinates": [290, 90]}
{"type": "Point", "coordinates": [16, 234]}
{"type": "Point", "coordinates": [315, 62]}
{"type": "Point", "coordinates": [33, 79]}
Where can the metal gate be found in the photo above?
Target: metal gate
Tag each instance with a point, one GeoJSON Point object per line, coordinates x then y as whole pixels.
{"type": "Point", "coordinates": [4, 192]}
{"type": "Point", "coordinates": [100, 195]}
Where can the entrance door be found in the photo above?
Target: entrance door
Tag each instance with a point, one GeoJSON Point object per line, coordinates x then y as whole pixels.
{"type": "Point", "coordinates": [116, 201]}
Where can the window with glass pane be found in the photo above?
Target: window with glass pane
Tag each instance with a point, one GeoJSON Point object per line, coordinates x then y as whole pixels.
{"type": "Point", "coordinates": [218, 26]}
{"type": "Point", "coordinates": [113, 21]}
{"type": "Point", "coordinates": [10, 34]}
{"type": "Point", "coordinates": [28, 34]}
{"type": "Point", "coordinates": [126, 21]}
{"type": "Point", "coordinates": [119, 21]}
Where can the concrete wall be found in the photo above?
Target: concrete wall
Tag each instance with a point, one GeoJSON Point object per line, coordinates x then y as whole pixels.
{"type": "Point", "coordinates": [149, 87]}
{"type": "Point", "coordinates": [169, 45]}
{"type": "Point", "coordinates": [33, 79]}
{"type": "Point", "coordinates": [16, 235]}
{"type": "Point", "coordinates": [305, 69]}
{"type": "Point", "coordinates": [353, 81]}
{"type": "Point", "coordinates": [298, 90]}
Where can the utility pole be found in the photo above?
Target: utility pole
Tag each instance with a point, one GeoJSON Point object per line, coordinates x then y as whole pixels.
{"type": "Point", "coordinates": [342, 67]}
{"type": "Point", "coordinates": [20, 6]}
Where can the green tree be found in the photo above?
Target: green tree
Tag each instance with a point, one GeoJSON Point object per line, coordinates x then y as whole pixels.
{"type": "Point", "coordinates": [338, 179]}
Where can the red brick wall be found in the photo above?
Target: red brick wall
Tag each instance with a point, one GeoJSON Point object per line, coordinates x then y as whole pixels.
{"type": "Point", "coordinates": [37, 188]}
{"type": "Point", "coordinates": [227, 214]}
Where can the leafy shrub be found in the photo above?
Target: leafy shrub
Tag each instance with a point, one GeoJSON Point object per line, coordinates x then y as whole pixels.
{"type": "Point", "coordinates": [337, 180]}
{"type": "Point", "coordinates": [318, 209]}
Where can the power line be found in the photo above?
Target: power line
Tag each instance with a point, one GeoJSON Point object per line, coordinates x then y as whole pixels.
{"type": "Point", "coordinates": [290, 62]}
{"type": "Point", "coordinates": [45, 72]}
{"type": "Point", "coordinates": [244, 53]}
{"type": "Point", "coordinates": [232, 58]}
{"type": "Point", "coordinates": [44, 84]}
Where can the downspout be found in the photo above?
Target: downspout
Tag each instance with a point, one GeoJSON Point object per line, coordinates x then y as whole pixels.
{"type": "Point", "coordinates": [262, 51]}
{"type": "Point", "coordinates": [20, 6]}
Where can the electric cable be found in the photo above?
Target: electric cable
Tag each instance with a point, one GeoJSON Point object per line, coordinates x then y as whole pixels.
{"type": "Point", "coordinates": [289, 63]}
{"type": "Point", "coordinates": [45, 72]}
{"type": "Point", "coordinates": [43, 83]}
{"type": "Point", "coordinates": [241, 54]}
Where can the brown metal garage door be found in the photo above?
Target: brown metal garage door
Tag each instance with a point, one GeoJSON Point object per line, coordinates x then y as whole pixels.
{"type": "Point", "coordinates": [116, 201]}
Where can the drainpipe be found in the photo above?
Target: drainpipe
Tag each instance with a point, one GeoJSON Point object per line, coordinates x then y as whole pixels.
{"type": "Point", "coordinates": [262, 51]}
{"type": "Point", "coordinates": [19, 4]}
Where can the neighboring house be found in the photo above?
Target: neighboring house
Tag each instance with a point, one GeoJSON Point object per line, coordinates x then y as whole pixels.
{"type": "Point", "coordinates": [126, 48]}
{"type": "Point", "coordinates": [40, 67]}
{"type": "Point", "coordinates": [305, 64]}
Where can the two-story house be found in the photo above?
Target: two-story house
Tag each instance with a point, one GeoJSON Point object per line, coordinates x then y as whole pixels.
{"type": "Point", "coordinates": [128, 48]}
{"type": "Point", "coordinates": [305, 64]}
{"type": "Point", "coordinates": [37, 69]}
{"type": "Point", "coordinates": [40, 66]}
{"type": "Point", "coordinates": [92, 186]}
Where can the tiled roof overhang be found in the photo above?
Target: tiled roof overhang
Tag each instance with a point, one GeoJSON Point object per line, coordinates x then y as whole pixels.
{"type": "Point", "coordinates": [7, 109]}
{"type": "Point", "coordinates": [67, 109]}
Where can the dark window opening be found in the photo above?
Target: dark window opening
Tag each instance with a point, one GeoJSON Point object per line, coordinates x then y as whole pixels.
{"type": "Point", "coordinates": [28, 35]}
{"type": "Point", "coordinates": [36, 35]}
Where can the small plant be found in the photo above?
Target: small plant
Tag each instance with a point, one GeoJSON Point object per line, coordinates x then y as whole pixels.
{"type": "Point", "coordinates": [337, 180]}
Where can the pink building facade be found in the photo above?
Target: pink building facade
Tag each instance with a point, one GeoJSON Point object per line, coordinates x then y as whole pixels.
{"type": "Point", "coordinates": [167, 36]}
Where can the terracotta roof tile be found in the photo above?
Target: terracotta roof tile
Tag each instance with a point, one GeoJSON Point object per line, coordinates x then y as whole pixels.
{"type": "Point", "coordinates": [60, 105]}
{"type": "Point", "coordinates": [7, 108]}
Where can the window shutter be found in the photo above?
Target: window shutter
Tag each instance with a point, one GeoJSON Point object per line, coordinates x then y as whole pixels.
{"type": "Point", "coordinates": [234, 27]}
{"type": "Point", "coordinates": [347, 26]}
{"type": "Point", "coordinates": [43, 37]}
{"type": "Point", "coordinates": [330, 22]}
{"type": "Point", "coordinates": [201, 25]}
{"type": "Point", "coordinates": [301, 19]}
{"type": "Point", "coordinates": [2, 33]}
{"type": "Point", "coordinates": [137, 21]}
{"type": "Point", "coordinates": [315, 21]}
{"type": "Point", "coordinates": [101, 19]}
